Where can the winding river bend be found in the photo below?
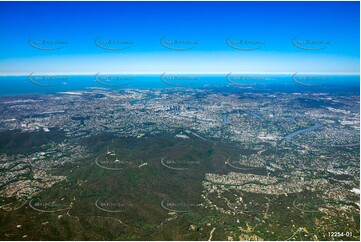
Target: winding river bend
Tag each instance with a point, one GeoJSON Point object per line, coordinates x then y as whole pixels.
{"type": "Point", "coordinates": [300, 131]}
{"type": "Point", "coordinates": [317, 126]}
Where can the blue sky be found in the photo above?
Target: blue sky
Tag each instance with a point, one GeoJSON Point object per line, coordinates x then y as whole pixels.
{"type": "Point", "coordinates": [209, 24]}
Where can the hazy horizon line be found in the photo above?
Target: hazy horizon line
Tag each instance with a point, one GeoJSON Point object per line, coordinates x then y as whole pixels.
{"type": "Point", "coordinates": [172, 73]}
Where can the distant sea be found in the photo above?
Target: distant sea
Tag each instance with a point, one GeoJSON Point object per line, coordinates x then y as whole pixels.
{"type": "Point", "coordinates": [21, 85]}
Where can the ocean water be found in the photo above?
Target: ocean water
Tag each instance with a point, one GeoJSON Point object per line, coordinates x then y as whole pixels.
{"type": "Point", "coordinates": [21, 85]}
